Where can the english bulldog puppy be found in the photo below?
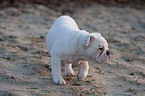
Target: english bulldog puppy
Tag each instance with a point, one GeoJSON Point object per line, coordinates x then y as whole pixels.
{"type": "Point", "coordinates": [69, 45]}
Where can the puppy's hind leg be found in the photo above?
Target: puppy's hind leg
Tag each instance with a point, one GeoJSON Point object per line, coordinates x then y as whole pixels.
{"type": "Point", "coordinates": [83, 72]}
{"type": "Point", "coordinates": [68, 70]}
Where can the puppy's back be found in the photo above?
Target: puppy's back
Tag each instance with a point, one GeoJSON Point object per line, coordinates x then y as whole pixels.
{"type": "Point", "coordinates": [65, 20]}
{"type": "Point", "coordinates": [60, 28]}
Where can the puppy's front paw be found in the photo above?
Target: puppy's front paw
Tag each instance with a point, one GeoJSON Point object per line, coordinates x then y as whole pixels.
{"type": "Point", "coordinates": [59, 80]}
{"type": "Point", "coordinates": [82, 75]}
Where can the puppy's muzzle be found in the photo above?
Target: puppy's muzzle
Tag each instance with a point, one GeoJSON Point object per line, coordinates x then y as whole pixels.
{"type": "Point", "coordinates": [107, 52]}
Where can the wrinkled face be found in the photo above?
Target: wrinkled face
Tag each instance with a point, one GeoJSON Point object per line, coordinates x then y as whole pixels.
{"type": "Point", "coordinates": [100, 50]}
{"type": "Point", "coordinates": [103, 53]}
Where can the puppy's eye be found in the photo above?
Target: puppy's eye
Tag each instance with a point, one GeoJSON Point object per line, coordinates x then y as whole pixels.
{"type": "Point", "coordinates": [101, 49]}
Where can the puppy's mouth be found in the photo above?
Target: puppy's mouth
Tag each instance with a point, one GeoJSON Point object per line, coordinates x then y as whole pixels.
{"type": "Point", "coordinates": [100, 55]}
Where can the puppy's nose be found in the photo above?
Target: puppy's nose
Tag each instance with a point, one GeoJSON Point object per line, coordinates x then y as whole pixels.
{"type": "Point", "coordinates": [107, 52]}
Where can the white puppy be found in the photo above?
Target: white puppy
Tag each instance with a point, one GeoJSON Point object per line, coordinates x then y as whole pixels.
{"type": "Point", "coordinates": [70, 45]}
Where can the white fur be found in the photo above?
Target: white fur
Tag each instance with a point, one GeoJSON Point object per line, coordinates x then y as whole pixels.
{"type": "Point", "coordinates": [68, 44]}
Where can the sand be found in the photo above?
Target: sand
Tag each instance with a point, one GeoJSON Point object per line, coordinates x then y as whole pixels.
{"type": "Point", "coordinates": [24, 57]}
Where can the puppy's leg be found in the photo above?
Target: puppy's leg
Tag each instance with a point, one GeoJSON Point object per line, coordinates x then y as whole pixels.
{"type": "Point", "coordinates": [56, 71]}
{"type": "Point", "coordinates": [83, 72]}
{"type": "Point", "coordinates": [68, 70]}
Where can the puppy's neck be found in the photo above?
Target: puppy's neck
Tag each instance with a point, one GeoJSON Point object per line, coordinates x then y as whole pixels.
{"type": "Point", "coordinates": [82, 50]}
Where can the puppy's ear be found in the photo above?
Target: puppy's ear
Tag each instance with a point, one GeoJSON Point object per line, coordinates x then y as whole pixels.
{"type": "Point", "coordinates": [89, 40]}
{"type": "Point", "coordinates": [96, 35]}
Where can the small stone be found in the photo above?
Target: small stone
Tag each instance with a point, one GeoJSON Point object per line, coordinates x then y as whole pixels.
{"type": "Point", "coordinates": [12, 77]}
{"type": "Point", "coordinates": [88, 81]}
{"type": "Point", "coordinates": [23, 48]}
{"type": "Point", "coordinates": [132, 74]}
{"type": "Point", "coordinates": [75, 84]}
{"type": "Point", "coordinates": [41, 37]}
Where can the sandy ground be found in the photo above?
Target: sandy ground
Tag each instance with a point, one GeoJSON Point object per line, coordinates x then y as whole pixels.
{"type": "Point", "coordinates": [24, 57]}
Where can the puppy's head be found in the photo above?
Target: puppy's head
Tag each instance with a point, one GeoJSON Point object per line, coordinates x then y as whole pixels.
{"type": "Point", "coordinates": [97, 47]}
